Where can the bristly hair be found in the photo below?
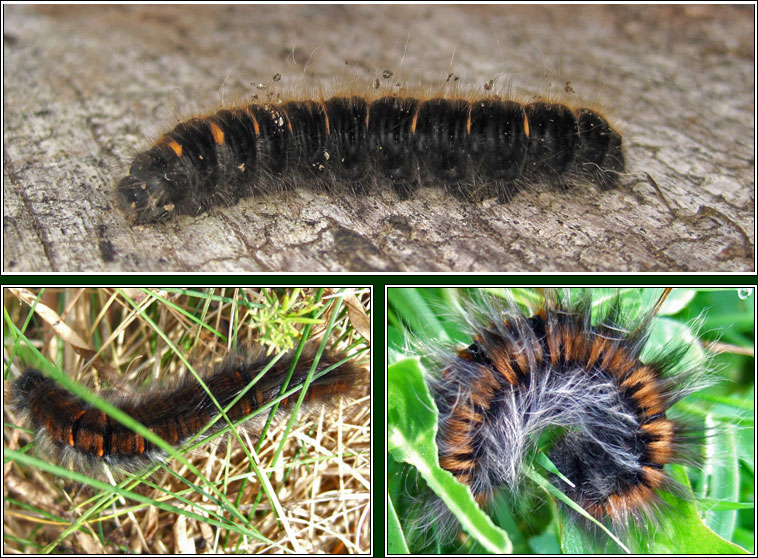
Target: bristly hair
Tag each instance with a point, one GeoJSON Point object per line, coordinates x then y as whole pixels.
{"type": "Point", "coordinates": [475, 146]}
{"type": "Point", "coordinates": [585, 382]}
{"type": "Point", "coordinates": [77, 435]}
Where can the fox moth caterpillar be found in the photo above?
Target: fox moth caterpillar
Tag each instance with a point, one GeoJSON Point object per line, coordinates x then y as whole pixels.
{"type": "Point", "coordinates": [474, 147]}
{"type": "Point", "coordinates": [589, 379]}
{"type": "Point", "coordinates": [75, 433]}
{"type": "Point", "coordinates": [146, 343]}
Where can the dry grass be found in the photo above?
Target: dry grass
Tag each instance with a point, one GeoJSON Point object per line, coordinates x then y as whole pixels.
{"type": "Point", "coordinates": [306, 491]}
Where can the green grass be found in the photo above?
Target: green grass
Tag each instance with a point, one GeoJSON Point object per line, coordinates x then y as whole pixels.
{"type": "Point", "coordinates": [723, 490]}
{"type": "Point", "coordinates": [303, 486]}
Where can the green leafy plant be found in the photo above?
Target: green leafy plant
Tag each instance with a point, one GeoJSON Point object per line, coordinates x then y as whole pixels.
{"type": "Point", "coordinates": [714, 520]}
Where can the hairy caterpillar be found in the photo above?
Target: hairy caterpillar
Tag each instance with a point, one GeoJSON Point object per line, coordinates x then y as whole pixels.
{"type": "Point", "coordinates": [475, 147]}
{"type": "Point", "coordinates": [81, 436]}
{"type": "Point", "coordinates": [578, 380]}
{"type": "Point", "coordinates": [301, 459]}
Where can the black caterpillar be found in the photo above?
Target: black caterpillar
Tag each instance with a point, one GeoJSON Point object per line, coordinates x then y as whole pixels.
{"type": "Point", "coordinates": [581, 380]}
{"type": "Point", "coordinates": [75, 433]}
{"type": "Point", "coordinates": [475, 148]}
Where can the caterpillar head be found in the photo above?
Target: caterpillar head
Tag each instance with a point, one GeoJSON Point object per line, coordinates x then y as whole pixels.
{"type": "Point", "coordinates": [146, 194]}
{"type": "Point", "coordinates": [143, 200]}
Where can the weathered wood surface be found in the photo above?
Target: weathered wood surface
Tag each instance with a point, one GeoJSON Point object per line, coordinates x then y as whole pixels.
{"type": "Point", "coordinates": [84, 86]}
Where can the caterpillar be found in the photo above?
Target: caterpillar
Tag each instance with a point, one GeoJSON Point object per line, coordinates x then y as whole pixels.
{"type": "Point", "coordinates": [575, 381]}
{"type": "Point", "coordinates": [81, 436]}
{"type": "Point", "coordinates": [176, 355]}
{"type": "Point", "coordinates": [474, 147]}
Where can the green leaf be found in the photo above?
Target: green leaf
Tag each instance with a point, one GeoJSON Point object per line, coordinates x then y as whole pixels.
{"type": "Point", "coordinates": [395, 537]}
{"type": "Point", "coordinates": [684, 531]}
{"type": "Point", "coordinates": [412, 423]}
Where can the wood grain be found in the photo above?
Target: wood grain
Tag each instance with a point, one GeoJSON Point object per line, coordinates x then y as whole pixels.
{"type": "Point", "coordinates": [86, 87]}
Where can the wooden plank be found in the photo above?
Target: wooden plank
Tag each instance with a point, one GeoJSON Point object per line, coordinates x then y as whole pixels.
{"type": "Point", "coordinates": [87, 86]}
